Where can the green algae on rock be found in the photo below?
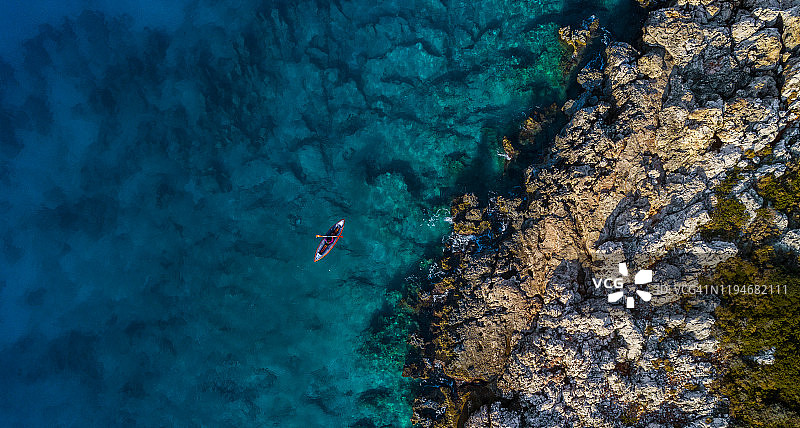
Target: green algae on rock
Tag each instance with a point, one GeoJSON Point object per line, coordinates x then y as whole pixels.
{"type": "Point", "coordinates": [760, 332]}
{"type": "Point", "coordinates": [729, 215]}
{"type": "Point", "coordinates": [783, 193]}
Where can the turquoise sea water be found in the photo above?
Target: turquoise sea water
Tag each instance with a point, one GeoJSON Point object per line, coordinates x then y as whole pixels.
{"type": "Point", "coordinates": [164, 172]}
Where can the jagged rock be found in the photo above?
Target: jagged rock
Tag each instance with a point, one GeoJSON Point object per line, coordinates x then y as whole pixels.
{"type": "Point", "coordinates": [744, 28]}
{"type": "Point", "coordinates": [652, 65]}
{"type": "Point", "coordinates": [765, 357]}
{"type": "Point", "coordinates": [790, 92]}
{"type": "Point", "coordinates": [781, 221]}
{"type": "Point", "coordinates": [791, 28]}
{"type": "Point", "coordinates": [767, 11]}
{"type": "Point", "coordinates": [750, 123]}
{"type": "Point", "coordinates": [790, 241]}
{"type": "Point", "coordinates": [677, 32]}
{"type": "Point", "coordinates": [752, 202]}
{"type": "Point", "coordinates": [428, 409]}
{"type": "Point", "coordinates": [479, 419]}
{"type": "Point", "coordinates": [493, 417]}
{"type": "Point", "coordinates": [621, 68]}
{"type": "Point", "coordinates": [761, 51]}
{"type": "Point", "coordinates": [579, 38]}
{"type": "Point", "coordinates": [632, 180]}
{"type": "Point", "coordinates": [504, 418]}
{"type": "Point", "coordinates": [710, 254]}
{"type": "Point", "coordinates": [590, 78]}
{"type": "Point", "coordinates": [673, 228]}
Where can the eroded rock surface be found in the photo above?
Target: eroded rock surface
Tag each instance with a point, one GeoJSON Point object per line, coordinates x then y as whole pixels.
{"type": "Point", "coordinates": [518, 322]}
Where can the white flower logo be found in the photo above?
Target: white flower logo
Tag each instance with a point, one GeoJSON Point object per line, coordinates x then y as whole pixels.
{"type": "Point", "coordinates": [642, 277]}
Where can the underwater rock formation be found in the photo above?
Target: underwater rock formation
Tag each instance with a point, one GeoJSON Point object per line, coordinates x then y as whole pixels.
{"type": "Point", "coordinates": [667, 141]}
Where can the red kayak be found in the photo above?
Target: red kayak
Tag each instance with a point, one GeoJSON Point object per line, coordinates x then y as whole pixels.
{"type": "Point", "coordinates": [329, 240]}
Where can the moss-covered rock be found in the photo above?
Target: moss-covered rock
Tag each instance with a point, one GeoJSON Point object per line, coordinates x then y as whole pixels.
{"type": "Point", "coordinates": [783, 193]}
{"type": "Point", "coordinates": [727, 220]}
{"type": "Point", "coordinates": [729, 215]}
{"type": "Point", "coordinates": [758, 320]}
{"type": "Point", "coordinates": [761, 394]}
{"type": "Point", "coordinates": [764, 227]}
{"type": "Point", "coordinates": [471, 228]}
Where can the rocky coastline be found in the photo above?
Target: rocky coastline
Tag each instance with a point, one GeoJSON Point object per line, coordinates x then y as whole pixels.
{"type": "Point", "coordinates": [664, 165]}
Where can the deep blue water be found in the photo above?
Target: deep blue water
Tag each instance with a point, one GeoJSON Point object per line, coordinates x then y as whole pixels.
{"type": "Point", "coordinates": [164, 172]}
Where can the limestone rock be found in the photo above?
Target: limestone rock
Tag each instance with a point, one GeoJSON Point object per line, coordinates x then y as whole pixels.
{"type": "Point", "coordinates": [493, 417]}
{"type": "Point", "coordinates": [579, 38]}
{"type": "Point", "coordinates": [677, 32]}
{"type": "Point", "coordinates": [761, 51]}
{"type": "Point", "coordinates": [589, 78]}
{"type": "Point", "coordinates": [479, 419]}
{"type": "Point", "coordinates": [744, 28]}
{"type": "Point", "coordinates": [790, 92]}
{"type": "Point", "coordinates": [652, 65]}
{"type": "Point", "coordinates": [790, 241]}
{"type": "Point", "coordinates": [750, 123]}
{"type": "Point", "coordinates": [791, 28]}
{"type": "Point", "coordinates": [621, 68]}
{"type": "Point", "coordinates": [765, 357]}
{"type": "Point", "coordinates": [631, 182]}
{"type": "Point", "coordinates": [767, 11]}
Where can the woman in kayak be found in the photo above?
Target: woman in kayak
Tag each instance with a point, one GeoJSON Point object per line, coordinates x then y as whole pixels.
{"type": "Point", "coordinates": [329, 240]}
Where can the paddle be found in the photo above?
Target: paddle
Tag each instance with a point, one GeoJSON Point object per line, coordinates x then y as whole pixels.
{"type": "Point", "coordinates": [328, 236]}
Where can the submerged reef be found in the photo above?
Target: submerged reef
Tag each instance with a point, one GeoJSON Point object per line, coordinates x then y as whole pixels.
{"type": "Point", "coordinates": [679, 157]}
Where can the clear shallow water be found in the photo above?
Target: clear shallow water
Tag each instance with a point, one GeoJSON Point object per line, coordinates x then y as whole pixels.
{"type": "Point", "coordinates": [162, 186]}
